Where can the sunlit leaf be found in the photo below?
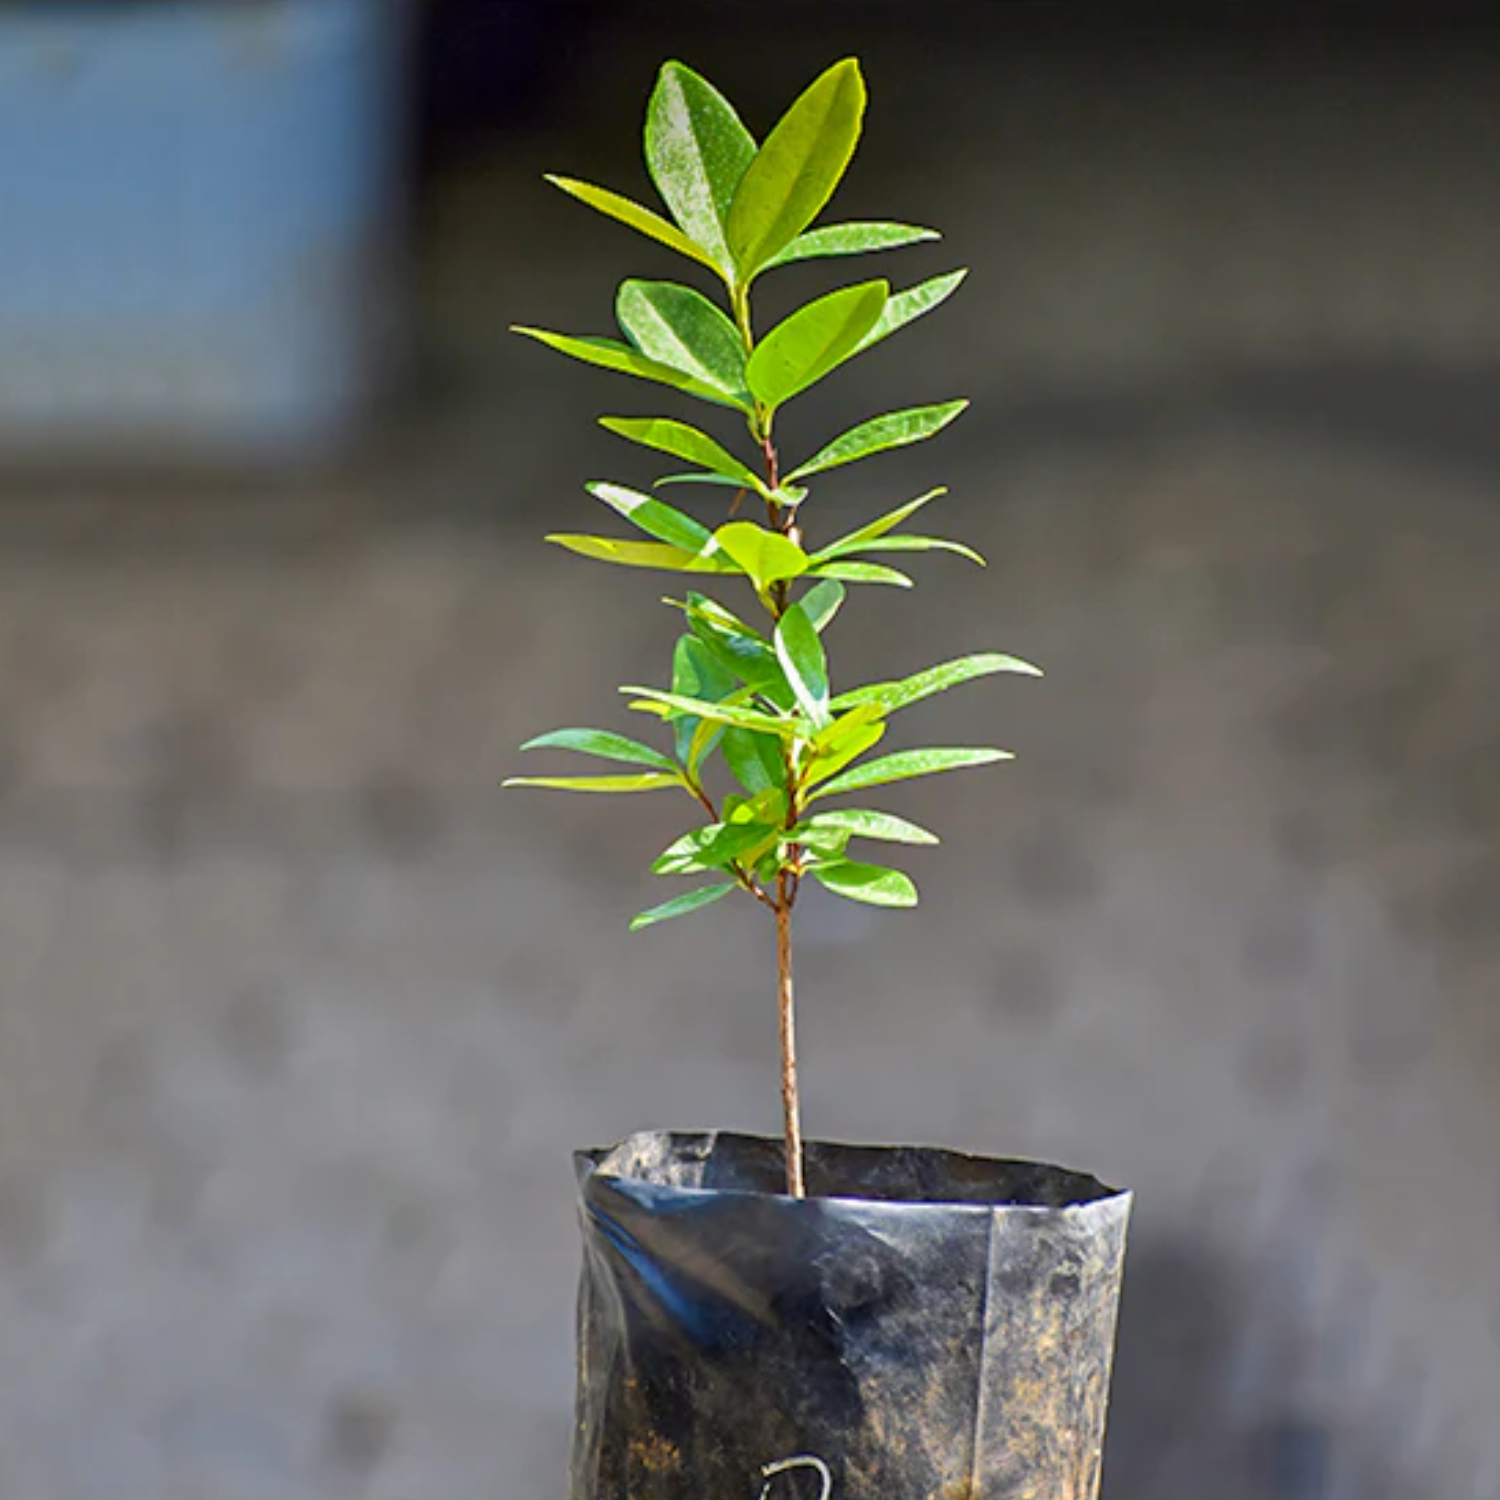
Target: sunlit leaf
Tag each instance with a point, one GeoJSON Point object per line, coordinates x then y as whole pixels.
{"type": "Point", "coordinates": [654, 517]}
{"type": "Point", "coordinates": [683, 441]}
{"type": "Point", "coordinates": [899, 694]}
{"type": "Point", "coordinates": [723, 713]}
{"type": "Point", "coordinates": [697, 151]}
{"type": "Point", "coordinates": [755, 760]}
{"type": "Point", "coordinates": [860, 823]}
{"type": "Point", "coordinates": [797, 169]}
{"type": "Point", "coordinates": [895, 429]}
{"type": "Point", "coordinates": [603, 743]}
{"type": "Point", "coordinates": [883, 524]}
{"type": "Point", "coordinates": [804, 347]}
{"type": "Point", "coordinates": [850, 239]}
{"type": "Point", "coordinates": [846, 739]}
{"type": "Point", "coordinates": [906, 764]}
{"type": "Point", "coordinates": [904, 307]}
{"type": "Point", "coordinates": [766, 556]}
{"type": "Point", "coordinates": [681, 328]}
{"type": "Point", "coordinates": [610, 354]}
{"type": "Point", "coordinates": [695, 674]}
{"type": "Point", "coordinates": [738, 648]}
{"type": "Point", "coordinates": [906, 544]}
{"type": "Point", "coordinates": [858, 572]}
{"type": "Point", "coordinates": [646, 781]}
{"type": "Point", "coordinates": [716, 847]}
{"type": "Point", "coordinates": [680, 906]}
{"type": "Point", "coordinates": [875, 885]}
{"type": "Point", "coordinates": [641, 554]}
{"type": "Point", "coordinates": [633, 214]}
{"type": "Point", "coordinates": [800, 653]}
{"type": "Point", "coordinates": [822, 602]}
{"type": "Point", "coordinates": [720, 479]}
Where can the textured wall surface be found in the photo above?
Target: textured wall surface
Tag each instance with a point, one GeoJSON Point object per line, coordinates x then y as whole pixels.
{"type": "Point", "coordinates": [299, 1016]}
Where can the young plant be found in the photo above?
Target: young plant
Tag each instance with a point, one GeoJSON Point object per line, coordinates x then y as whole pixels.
{"type": "Point", "coordinates": [760, 700]}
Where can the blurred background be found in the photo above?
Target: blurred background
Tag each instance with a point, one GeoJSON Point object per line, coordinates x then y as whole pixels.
{"type": "Point", "coordinates": [300, 1017]}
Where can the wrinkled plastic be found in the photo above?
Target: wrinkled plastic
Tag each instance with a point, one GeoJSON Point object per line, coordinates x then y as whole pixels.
{"type": "Point", "coordinates": [923, 1326]}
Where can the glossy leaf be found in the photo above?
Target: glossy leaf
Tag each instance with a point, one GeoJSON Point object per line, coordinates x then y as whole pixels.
{"type": "Point", "coordinates": [845, 740]}
{"type": "Point", "coordinates": [896, 429]}
{"type": "Point", "coordinates": [851, 239]}
{"type": "Point", "coordinates": [681, 328]}
{"type": "Point", "coordinates": [720, 479]}
{"type": "Point", "coordinates": [905, 307]}
{"type": "Point", "coordinates": [715, 847]}
{"type": "Point", "coordinates": [754, 760]}
{"type": "Point", "coordinates": [695, 674]}
{"type": "Point", "coordinates": [683, 441]}
{"type": "Point", "coordinates": [797, 169]}
{"type": "Point", "coordinates": [680, 906]}
{"type": "Point", "coordinates": [669, 704]}
{"type": "Point", "coordinates": [646, 781]}
{"type": "Point", "coordinates": [906, 764]}
{"type": "Point", "coordinates": [697, 151]}
{"type": "Point", "coordinates": [654, 517]}
{"type": "Point", "coordinates": [906, 544]}
{"type": "Point", "coordinates": [738, 648]}
{"type": "Point", "coordinates": [858, 572]}
{"type": "Point", "coordinates": [641, 554]}
{"type": "Point", "coordinates": [858, 822]}
{"type": "Point", "coordinates": [822, 602]}
{"type": "Point", "coordinates": [908, 690]}
{"type": "Point", "coordinates": [803, 348]}
{"type": "Point", "coordinates": [800, 653]}
{"type": "Point", "coordinates": [603, 743]}
{"type": "Point", "coordinates": [875, 885]}
{"type": "Point", "coordinates": [610, 354]}
{"type": "Point", "coordinates": [639, 218]}
{"type": "Point", "coordinates": [883, 524]}
{"type": "Point", "coordinates": [766, 556]}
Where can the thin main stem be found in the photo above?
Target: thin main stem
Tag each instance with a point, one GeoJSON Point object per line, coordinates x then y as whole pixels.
{"type": "Point", "coordinates": [796, 1184]}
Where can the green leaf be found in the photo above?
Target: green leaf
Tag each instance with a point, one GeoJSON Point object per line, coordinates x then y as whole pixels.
{"type": "Point", "coordinates": [754, 760]}
{"type": "Point", "coordinates": [697, 151]}
{"type": "Point", "coordinates": [681, 328]}
{"type": "Point", "coordinates": [641, 554]}
{"type": "Point", "coordinates": [803, 348]}
{"type": "Point", "coordinates": [682, 441]}
{"type": "Point", "coordinates": [893, 695]}
{"type": "Point", "coordinates": [875, 885]}
{"type": "Point", "coordinates": [850, 239]}
{"type": "Point", "coordinates": [654, 517]}
{"type": "Point", "coordinates": [672, 704]}
{"type": "Point", "coordinates": [859, 823]}
{"type": "Point", "coordinates": [633, 214]}
{"type": "Point", "coordinates": [646, 781]}
{"type": "Point", "coordinates": [603, 743]}
{"type": "Point", "coordinates": [846, 739]}
{"type": "Point", "coordinates": [906, 306]}
{"type": "Point", "coordinates": [610, 354]}
{"type": "Point", "coordinates": [719, 479]}
{"type": "Point", "coordinates": [766, 556]}
{"type": "Point", "coordinates": [695, 674]}
{"type": "Point", "coordinates": [680, 906]}
{"type": "Point", "coordinates": [883, 524]}
{"type": "Point", "coordinates": [738, 648]}
{"type": "Point", "coordinates": [800, 653]}
{"type": "Point", "coordinates": [858, 572]}
{"type": "Point", "coordinates": [905, 764]}
{"type": "Point", "coordinates": [905, 544]}
{"type": "Point", "coordinates": [716, 847]}
{"type": "Point", "coordinates": [822, 602]}
{"type": "Point", "coordinates": [797, 169]}
{"type": "Point", "coordinates": [895, 429]}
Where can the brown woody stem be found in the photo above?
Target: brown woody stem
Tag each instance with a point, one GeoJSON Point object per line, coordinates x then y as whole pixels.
{"type": "Point", "coordinates": [796, 1185]}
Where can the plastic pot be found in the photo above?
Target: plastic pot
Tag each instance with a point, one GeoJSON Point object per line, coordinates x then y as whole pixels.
{"type": "Point", "coordinates": [925, 1325]}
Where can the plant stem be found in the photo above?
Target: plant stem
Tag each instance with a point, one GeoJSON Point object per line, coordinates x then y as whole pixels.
{"type": "Point", "coordinates": [796, 1185]}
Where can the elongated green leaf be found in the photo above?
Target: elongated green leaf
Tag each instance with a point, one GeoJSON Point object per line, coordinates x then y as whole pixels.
{"type": "Point", "coordinates": [803, 348]}
{"type": "Point", "coordinates": [719, 479]}
{"type": "Point", "coordinates": [860, 823]}
{"type": "Point", "coordinates": [695, 674]}
{"type": "Point", "coordinates": [846, 739]}
{"type": "Point", "coordinates": [908, 690]}
{"type": "Point", "coordinates": [654, 517]}
{"type": "Point", "coordinates": [682, 329]}
{"type": "Point", "coordinates": [906, 306]}
{"type": "Point", "coordinates": [754, 760]}
{"type": "Point", "coordinates": [738, 648]}
{"type": "Point", "coordinates": [682, 441]}
{"type": "Point", "coordinates": [896, 429]}
{"type": "Point", "coordinates": [795, 172]}
{"type": "Point", "coordinates": [610, 354]}
{"type": "Point", "coordinates": [633, 214]}
{"type": "Point", "coordinates": [883, 524]}
{"type": "Point", "coordinates": [905, 764]}
{"type": "Point", "coordinates": [646, 781]}
{"type": "Point", "coordinates": [908, 544]}
{"type": "Point", "coordinates": [766, 556]}
{"type": "Point", "coordinates": [642, 554]}
{"type": "Point", "coordinates": [822, 602]}
{"type": "Point", "coordinates": [722, 713]}
{"type": "Point", "coordinates": [858, 572]}
{"type": "Point", "coordinates": [800, 653]}
{"type": "Point", "coordinates": [680, 906]}
{"type": "Point", "coordinates": [603, 743]}
{"type": "Point", "coordinates": [716, 847]}
{"type": "Point", "coordinates": [851, 239]}
{"type": "Point", "coordinates": [697, 151]}
{"type": "Point", "coordinates": [875, 885]}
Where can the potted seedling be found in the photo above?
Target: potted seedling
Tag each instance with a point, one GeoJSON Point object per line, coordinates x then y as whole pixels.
{"type": "Point", "coordinates": [759, 1315]}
